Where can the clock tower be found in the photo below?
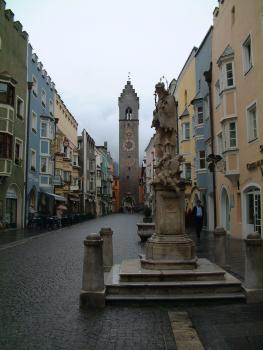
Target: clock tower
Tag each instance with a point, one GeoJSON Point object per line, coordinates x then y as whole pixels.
{"type": "Point", "coordinates": [129, 146]}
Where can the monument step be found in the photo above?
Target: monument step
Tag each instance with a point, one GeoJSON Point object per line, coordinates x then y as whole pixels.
{"type": "Point", "coordinates": [191, 297]}
{"type": "Point", "coordinates": [184, 285]}
{"type": "Point", "coordinates": [132, 271]}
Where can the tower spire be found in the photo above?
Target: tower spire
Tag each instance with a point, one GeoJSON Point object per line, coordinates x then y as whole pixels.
{"type": "Point", "coordinates": [129, 76]}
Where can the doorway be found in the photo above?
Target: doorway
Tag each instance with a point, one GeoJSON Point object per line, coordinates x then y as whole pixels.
{"type": "Point", "coordinates": [252, 207]}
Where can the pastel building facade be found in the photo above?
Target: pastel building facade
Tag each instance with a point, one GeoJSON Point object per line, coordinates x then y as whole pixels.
{"type": "Point", "coordinates": [67, 168]}
{"type": "Point", "coordinates": [202, 129]}
{"type": "Point", "coordinates": [185, 92]}
{"type": "Point", "coordinates": [149, 171]}
{"type": "Point", "coordinates": [13, 118]}
{"type": "Point", "coordinates": [237, 80]}
{"type": "Point", "coordinates": [87, 163]}
{"type": "Point", "coordinates": [41, 135]}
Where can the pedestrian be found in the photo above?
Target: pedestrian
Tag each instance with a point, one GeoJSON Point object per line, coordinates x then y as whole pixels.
{"type": "Point", "coordinates": [198, 215]}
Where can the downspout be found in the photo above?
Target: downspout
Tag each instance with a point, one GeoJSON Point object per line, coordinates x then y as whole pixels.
{"type": "Point", "coordinates": [29, 88]}
{"type": "Point", "coordinates": [208, 79]}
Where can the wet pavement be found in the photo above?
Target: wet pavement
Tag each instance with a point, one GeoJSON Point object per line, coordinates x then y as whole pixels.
{"type": "Point", "coordinates": [40, 281]}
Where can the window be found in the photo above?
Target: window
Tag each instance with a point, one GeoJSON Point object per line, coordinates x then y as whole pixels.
{"type": "Point", "coordinates": [252, 123]}
{"type": "Point", "coordinates": [75, 160]}
{"type": "Point", "coordinates": [44, 147]}
{"type": "Point", "coordinates": [43, 98]}
{"type": "Point", "coordinates": [128, 113]}
{"type": "Point", "coordinates": [186, 131]}
{"type": "Point", "coordinates": [44, 128]}
{"type": "Point", "coordinates": [247, 54]}
{"type": "Point", "coordinates": [44, 165]}
{"type": "Point", "coordinates": [18, 151]}
{"type": "Point", "coordinates": [19, 107]}
{"type": "Point", "coordinates": [7, 93]}
{"type": "Point", "coordinates": [33, 160]}
{"type": "Point", "coordinates": [66, 176]}
{"type": "Point", "coordinates": [45, 180]}
{"type": "Point", "coordinates": [51, 109]}
{"type": "Point", "coordinates": [187, 171]}
{"type": "Point", "coordinates": [35, 85]}
{"type": "Point", "coordinates": [200, 115]}
{"type": "Point", "coordinates": [6, 141]}
{"type": "Point", "coordinates": [34, 122]}
{"type": "Point", "coordinates": [201, 159]}
{"type": "Point", "coordinates": [232, 134]}
{"type": "Point", "coordinates": [229, 74]}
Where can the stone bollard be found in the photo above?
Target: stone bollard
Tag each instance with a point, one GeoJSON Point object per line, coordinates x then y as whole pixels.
{"type": "Point", "coordinates": [253, 283]}
{"type": "Point", "coordinates": [221, 250]}
{"type": "Point", "coordinates": [92, 293]}
{"type": "Point", "coordinates": [106, 234]}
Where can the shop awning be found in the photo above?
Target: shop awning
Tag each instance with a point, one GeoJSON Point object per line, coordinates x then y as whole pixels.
{"type": "Point", "coordinates": [56, 197]}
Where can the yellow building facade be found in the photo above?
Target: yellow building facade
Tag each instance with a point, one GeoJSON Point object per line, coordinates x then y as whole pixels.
{"type": "Point", "coordinates": [67, 169]}
{"type": "Point", "coordinates": [237, 85]}
{"type": "Point", "coordinates": [184, 93]}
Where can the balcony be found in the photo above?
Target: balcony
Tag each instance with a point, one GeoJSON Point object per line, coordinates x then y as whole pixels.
{"type": "Point", "coordinates": [231, 159]}
{"type": "Point", "coordinates": [5, 167]}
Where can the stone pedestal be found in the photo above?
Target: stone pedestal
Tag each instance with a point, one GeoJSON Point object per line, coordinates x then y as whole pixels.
{"type": "Point", "coordinates": [106, 234]}
{"type": "Point", "coordinates": [93, 290]}
{"type": "Point", "coordinates": [169, 247]}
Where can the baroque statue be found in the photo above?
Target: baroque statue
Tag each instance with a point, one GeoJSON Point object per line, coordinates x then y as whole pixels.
{"type": "Point", "coordinates": [165, 123]}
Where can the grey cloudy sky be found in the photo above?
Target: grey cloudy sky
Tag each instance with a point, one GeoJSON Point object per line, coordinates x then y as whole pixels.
{"type": "Point", "coordinates": [88, 47]}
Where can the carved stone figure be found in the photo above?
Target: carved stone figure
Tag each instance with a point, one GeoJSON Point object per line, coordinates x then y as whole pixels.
{"type": "Point", "coordinates": [165, 123]}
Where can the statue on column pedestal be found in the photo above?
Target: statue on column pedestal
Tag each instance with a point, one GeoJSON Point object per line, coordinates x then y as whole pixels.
{"type": "Point", "coordinates": [169, 247]}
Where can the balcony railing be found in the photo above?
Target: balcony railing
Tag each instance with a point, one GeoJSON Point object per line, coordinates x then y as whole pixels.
{"type": "Point", "coordinates": [5, 167]}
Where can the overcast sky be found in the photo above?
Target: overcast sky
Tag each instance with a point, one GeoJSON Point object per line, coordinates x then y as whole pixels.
{"type": "Point", "coordinates": [88, 47]}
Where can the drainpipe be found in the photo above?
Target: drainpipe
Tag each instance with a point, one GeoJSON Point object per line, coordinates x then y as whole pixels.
{"type": "Point", "coordinates": [208, 79]}
{"type": "Point", "coordinates": [55, 151]}
{"type": "Point", "coordinates": [29, 88]}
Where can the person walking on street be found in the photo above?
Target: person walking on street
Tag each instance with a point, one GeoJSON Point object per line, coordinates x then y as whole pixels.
{"type": "Point", "coordinates": [198, 215]}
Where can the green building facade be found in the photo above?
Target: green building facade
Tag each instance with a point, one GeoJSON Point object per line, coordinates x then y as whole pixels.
{"type": "Point", "coordinates": [13, 117]}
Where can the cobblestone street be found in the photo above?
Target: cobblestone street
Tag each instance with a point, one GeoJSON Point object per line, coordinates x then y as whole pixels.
{"type": "Point", "coordinates": [40, 284]}
{"type": "Point", "coordinates": [40, 281]}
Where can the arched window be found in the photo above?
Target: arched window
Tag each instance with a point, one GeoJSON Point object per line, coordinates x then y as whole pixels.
{"type": "Point", "coordinates": [128, 113]}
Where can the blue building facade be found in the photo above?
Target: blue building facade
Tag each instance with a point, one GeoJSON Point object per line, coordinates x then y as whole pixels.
{"type": "Point", "coordinates": [202, 128]}
{"type": "Point", "coordinates": [41, 135]}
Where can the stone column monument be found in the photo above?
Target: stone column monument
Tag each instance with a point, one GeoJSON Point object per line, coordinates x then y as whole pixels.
{"type": "Point", "coordinates": [170, 247]}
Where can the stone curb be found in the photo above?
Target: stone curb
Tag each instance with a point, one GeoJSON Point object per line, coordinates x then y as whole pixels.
{"type": "Point", "coordinates": [186, 337]}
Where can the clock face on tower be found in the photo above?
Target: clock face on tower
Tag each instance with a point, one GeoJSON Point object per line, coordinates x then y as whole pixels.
{"type": "Point", "coordinates": [128, 145]}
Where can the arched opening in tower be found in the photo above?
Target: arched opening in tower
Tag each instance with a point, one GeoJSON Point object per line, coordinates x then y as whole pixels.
{"type": "Point", "coordinates": [128, 113]}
